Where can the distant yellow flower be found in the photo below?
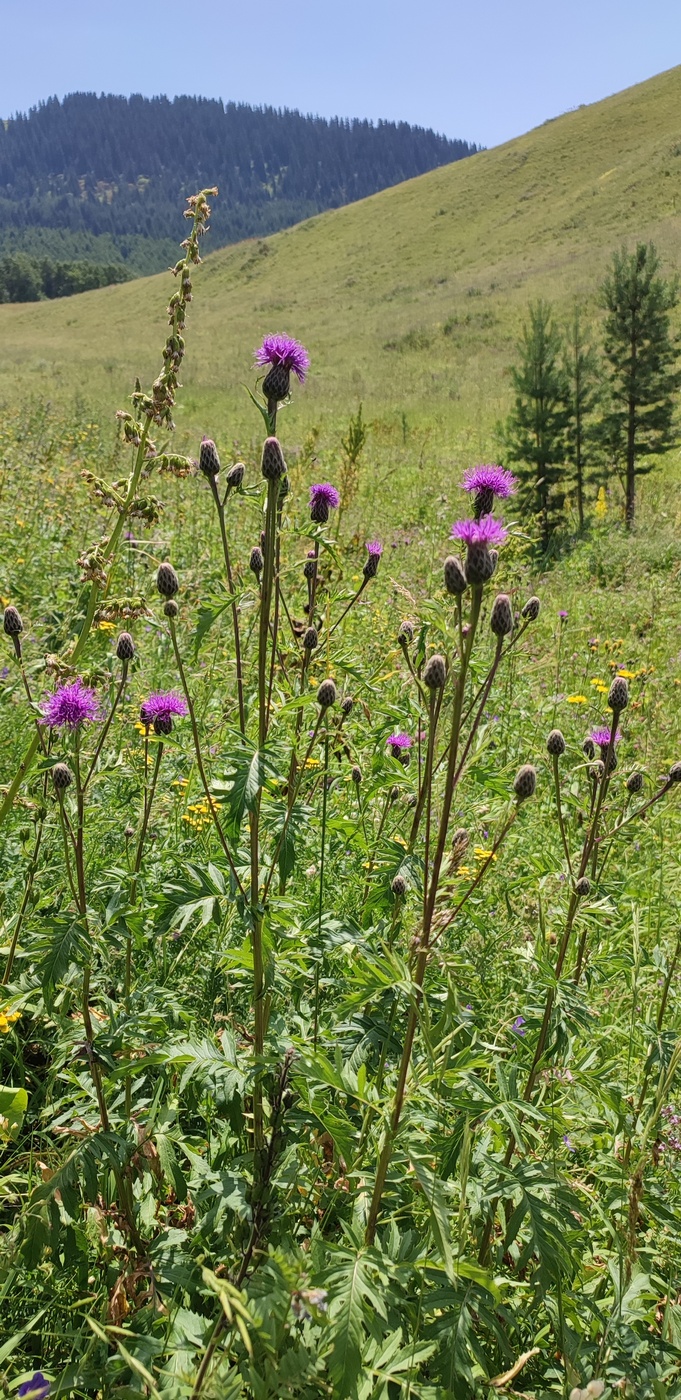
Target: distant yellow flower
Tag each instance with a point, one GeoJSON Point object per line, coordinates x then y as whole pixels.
{"type": "Point", "coordinates": [400, 841]}
{"type": "Point", "coordinates": [576, 700]}
{"type": "Point", "coordinates": [106, 626]}
{"type": "Point", "coordinates": [463, 870]}
{"type": "Point", "coordinates": [6, 1020]}
{"type": "Point", "coordinates": [628, 675]}
{"type": "Point", "coordinates": [601, 506]}
{"type": "Point", "coordinates": [481, 854]}
{"type": "Point", "coordinates": [311, 762]}
{"type": "Point", "coordinates": [596, 681]}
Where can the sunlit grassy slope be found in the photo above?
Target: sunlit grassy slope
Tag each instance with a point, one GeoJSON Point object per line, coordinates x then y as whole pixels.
{"type": "Point", "coordinates": [409, 300]}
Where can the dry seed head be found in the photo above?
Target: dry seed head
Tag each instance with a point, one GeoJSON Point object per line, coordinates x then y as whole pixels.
{"type": "Point", "coordinates": [634, 782]}
{"type": "Point", "coordinates": [399, 887]}
{"type": "Point", "coordinates": [555, 744]}
{"type": "Point", "coordinates": [167, 581]}
{"type": "Point", "coordinates": [525, 784]}
{"type": "Point", "coordinates": [327, 694]}
{"type": "Point", "coordinates": [618, 695]}
{"type": "Point", "coordinates": [435, 672]}
{"type": "Point", "coordinates": [583, 887]}
{"type": "Point", "coordinates": [125, 647]}
{"type": "Point", "coordinates": [12, 624]}
{"type": "Point", "coordinates": [61, 776]}
{"type": "Point", "coordinates": [235, 476]}
{"type": "Point", "coordinates": [456, 582]}
{"type": "Point", "coordinates": [501, 620]}
{"type": "Point", "coordinates": [273, 464]}
{"type": "Point", "coordinates": [310, 639]}
{"type": "Point", "coordinates": [531, 609]}
{"type": "Point", "coordinates": [209, 461]}
{"type": "Point", "coordinates": [256, 561]}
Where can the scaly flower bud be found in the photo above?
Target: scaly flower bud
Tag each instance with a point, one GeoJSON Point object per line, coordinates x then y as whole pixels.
{"type": "Point", "coordinates": [456, 582]}
{"type": "Point", "coordinates": [273, 464]}
{"type": "Point", "coordinates": [501, 620]}
{"type": "Point", "coordinates": [435, 672]}
{"type": "Point", "coordinates": [61, 776]}
{"type": "Point", "coordinates": [310, 639]}
{"type": "Point", "coordinates": [327, 694]}
{"type": "Point", "coordinates": [531, 609]}
{"type": "Point", "coordinates": [167, 581]}
{"type": "Point", "coordinates": [634, 782]}
{"type": "Point", "coordinates": [256, 562]}
{"type": "Point", "coordinates": [618, 695]}
{"type": "Point", "coordinates": [399, 887]}
{"type": "Point", "coordinates": [125, 647]}
{"type": "Point", "coordinates": [583, 887]}
{"type": "Point", "coordinates": [525, 782]}
{"type": "Point", "coordinates": [209, 461]}
{"type": "Point", "coordinates": [235, 476]}
{"type": "Point", "coordinates": [555, 744]}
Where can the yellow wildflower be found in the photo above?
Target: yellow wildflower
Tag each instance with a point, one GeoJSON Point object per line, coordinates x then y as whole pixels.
{"type": "Point", "coordinates": [6, 1020]}
{"type": "Point", "coordinates": [481, 854]}
{"type": "Point", "coordinates": [628, 675]}
{"type": "Point", "coordinates": [576, 699]}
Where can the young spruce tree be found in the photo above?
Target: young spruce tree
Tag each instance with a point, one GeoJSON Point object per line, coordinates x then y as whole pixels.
{"type": "Point", "coordinates": [536, 427]}
{"type": "Point", "coordinates": [581, 377]}
{"type": "Point", "coordinates": [642, 359]}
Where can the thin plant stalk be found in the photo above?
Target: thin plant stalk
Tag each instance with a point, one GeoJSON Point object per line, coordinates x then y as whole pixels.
{"type": "Point", "coordinates": [219, 506]}
{"type": "Point", "coordinates": [320, 909]}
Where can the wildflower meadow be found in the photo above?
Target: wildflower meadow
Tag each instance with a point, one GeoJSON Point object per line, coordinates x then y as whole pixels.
{"type": "Point", "coordinates": [339, 1026]}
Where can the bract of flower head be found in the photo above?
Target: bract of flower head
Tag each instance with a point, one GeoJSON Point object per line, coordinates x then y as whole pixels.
{"type": "Point", "coordinates": [602, 736]}
{"type": "Point", "coordinates": [489, 477]}
{"type": "Point", "coordinates": [71, 705]}
{"type": "Point", "coordinates": [162, 705]}
{"type": "Point", "coordinates": [486, 531]}
{"type": "Point", "coordinates": [325, 492]}
{"type": "Point", "coordinates": [284, 350]}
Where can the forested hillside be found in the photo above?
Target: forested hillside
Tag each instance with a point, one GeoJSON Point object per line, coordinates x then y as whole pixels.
{"type": "Point", "coordinates": [104, 177]}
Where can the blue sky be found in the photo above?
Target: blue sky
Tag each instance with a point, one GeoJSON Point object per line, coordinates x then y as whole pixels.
{"type": "Point", "coordinates": [485, 70]}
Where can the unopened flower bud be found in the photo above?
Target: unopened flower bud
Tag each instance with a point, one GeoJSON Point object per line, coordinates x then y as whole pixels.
{"type": "Point", "coordinates": [596, 770]}
{"type": "Point", "coordinates": [583, 887]}
{"type": "Point", "coordinates": [555, 744]}
{"type": "Point", "coordinates": [399, 887]}
{"type": "Point", "coordinates": [674, 773]}
{"type": "Point", "coordinates": [456, 582]}
{"type": "Point", "coordinates": [618, 695]}
{"type": "Point", "coordinates": [525, 782]}
{"type": "Point", "coordinates": [125, 647]}
{"type": "Point", "coordinates": [167, 581]}
{"type": "Point", "coordinates": [256, 562]}
{"type": "Point", "coordinates": [310, 568]}
{"type": "Point", "coordinates": [310, 639]}
{"type": "Point", "coordinates": [435, 672]}
{"type": "Point", "coordinates": [327, 694]}
{"type": "Point", "coordinates": [12, 624]}
{"type": "Point", "coordinates": [531, 609]}
{"type": "Point", "coordinates": [347, 704]}
{"type": "Point", "coordinates": [170, 608]}
{"type": "Point", "coordinates": [501, 620]}
{"type": "Point", "coordinates": [235, 476]}
{"type": "Point", "coordinates": [394, 793]}
{"type": "Point", "coordinates": [634, 782]}
{"type": "Point", "coordinates": [588, 748]}
{"type": "Point", "coordinates": [273, 464]}
{"type": "Point", "coordinates": [405, 633]}
{"type": "Point", "coordinates": [61, 776]}
{"type": "Point", "coordinates": [209, 461]}
{"type": "Point", "coordinates": [356, 774]}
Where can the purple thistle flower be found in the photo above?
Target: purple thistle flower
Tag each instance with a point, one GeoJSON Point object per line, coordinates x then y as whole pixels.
{"type": "Point", "coordinates": [519, 1025]}
{"type": "Point", "coordinates": [602, 736]}
{"type": "Point", "coordinates": [489, 477]}
{"type": "Point", "coordinates": [37, 1388]}
{"type": "Point", "coordinates": [71, 705]}
{"type": "Point", "coordinates": [563, 615]}
{"type": "Point", "coordinates": [162, 705]}
{"type": "Point", "coordinates": [285, 351]}
{"type": "Point", "coordinates": [323, 498]}
{"type": "Point", "coordinates": [374, 552]}
{"type": "Point", "coordinates": [485, 531]}
{"type": "Point", "coordinates": [374, 548]}
{"type": "Point", "coordinates": [399, 743]}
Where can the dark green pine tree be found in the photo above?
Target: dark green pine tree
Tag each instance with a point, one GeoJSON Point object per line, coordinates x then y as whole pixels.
{"type": "Point", "coordinates": [642, 365]}
{"type": "Point", "coordinates": [581, 367]}
{"type": "Point", "coordinates": [535, 433]}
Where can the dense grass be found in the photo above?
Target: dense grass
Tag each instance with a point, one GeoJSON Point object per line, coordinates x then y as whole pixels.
{"type": "Point", "coordinates": [584, 1261]}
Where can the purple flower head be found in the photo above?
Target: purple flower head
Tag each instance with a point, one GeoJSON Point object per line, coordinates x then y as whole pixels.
{"type": "Point", "coordinates": [374, 552]}
{"type": "Point", "coordinates": [519, 1025]}
{"type": "Point", "coordinates": [602, 735]}
{"type": "Point", "coordinates": [486, 531]}
{"type": "Point", "coordinates": [71, 705]}
{"type": "Point", "coordinates": [284, 350]}
{"type": "Point", "coordinates": [37, 1388]}
{"type": "Point", "coordinates": [324, 491]}
{"type": "Point", "coordinates": [563, 615]}
{"type": "Point", "coordinates": [162, 705]}
{"type": "Point", "coordinates": [399, 743]}
{"type": "Point", "coordinates": [374, 549]}
{"type": "Point", "coordinates": [568, 1143]}
{"type": "Point", "coordinates": [490, 479]}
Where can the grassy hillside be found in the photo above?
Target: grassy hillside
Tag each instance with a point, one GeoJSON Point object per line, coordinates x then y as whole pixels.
{"type": "Point", "coordinates": [410, 300]}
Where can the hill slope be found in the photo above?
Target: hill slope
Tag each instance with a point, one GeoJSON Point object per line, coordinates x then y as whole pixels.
{"type": "Point", "coordinates": [105, 177]}
{"type": "Point", "coordinates": [410, 299]}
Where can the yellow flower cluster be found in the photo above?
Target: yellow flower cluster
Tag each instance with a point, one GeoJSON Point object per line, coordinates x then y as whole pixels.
{"type": "Point", "coordinates": [6, 1020]}
{"type": "Point", "coordinates": [481, 854]}
{"type": "Point", "coordinates": [197, 815]}
{"type": "Point", "coordinates": [576, 699]}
